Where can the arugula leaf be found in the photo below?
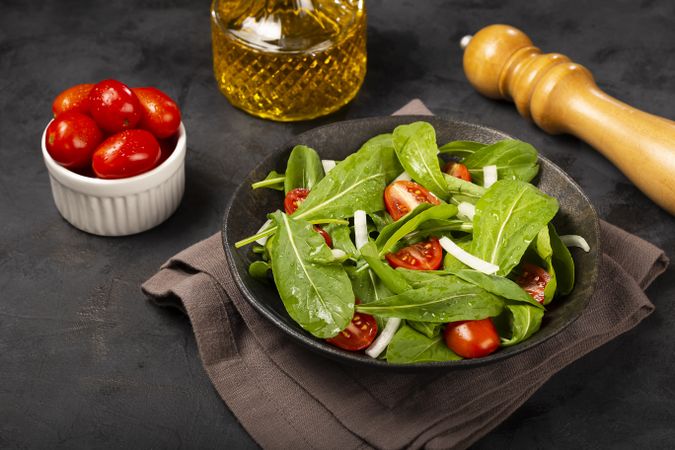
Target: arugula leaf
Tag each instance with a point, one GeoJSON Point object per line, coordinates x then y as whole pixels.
{"type": "Point", "coordinates": [563, 264]}
{"type": "Point", "coordinates": [430, 330]}
{"type": "Point", "coordinates": [500, 286]}
{"type": "Point", "coordinates": [463, 190]}
{"type": "Point", "coordinates": [438, 228]}
{"type": "Point", "coordinates": [342, 240]}
{"type": "Point", "coordinates": [303, 170]}
{"type": "Point", "coordinates": [408, 346]}
{"type": "Point", "coordinates": [416, 149]}
{"type": "Point", "coordinates": [452, 264]}
{"type": "Point", "coordinates": [273, 180]}
{"type": "Point", "coordinates": [392, 227]}
{"type": "Point", "coordinates": [448, 299]}
{"type": "Point", "coordinates": [355, 183]}
{"type": "Point", "coordinates": [368, 288]}
{"type": "Point", "coordinates": [380, 220]}
{"type": "Point", "coordinates": [313, 286]}
{"type": "Point", "coordinates": [383, 146]}
{"type": "Point", "coordinates": [258, 270]}
{"type": "Point", "coordinates": [461, 149]}
{"type": "Point", "coordinates": [507, 218]}
{"type": "Point", "coordinates": [393, 280]}
{"type": "Point", "coordinates": [515, 160]}
{"type": "Point", "coordinates": [388, 239]}
{"type": "Point", "coordinates": [418, 278]}
{"type": "Point", "coordinates": [524, 321]}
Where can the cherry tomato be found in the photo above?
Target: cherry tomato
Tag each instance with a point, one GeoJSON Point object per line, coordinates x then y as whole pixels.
{"type": "Point", "coordinates": [114, 106]}
{"type": "Point", "coordinates": [401, 197]}
{"type": "Point", "coordinates": [534, 280]}
{"type": "Point", "coordinates": [126, 154]}
{"type": "Point", "coordinates": [167, 146]}
{"type": "Point", "coordinates": [294, 198]}
{"type": "Point", "coordinates": [161, 115]}
{"type": "Point", "coordinates": [358, 335]}
{"type": "Point", "coordinates": [457, 170]}
{"type": "Point", "coordinates": [74, 98]}
{"type": "Point", "coordinates": [421, 256]}
{"type": "Point", "coordinates": [472, 338]}
{"type": "Point", "coordinates": [326, 237]}
{"type": "Point", "coordinates": [72, 138]}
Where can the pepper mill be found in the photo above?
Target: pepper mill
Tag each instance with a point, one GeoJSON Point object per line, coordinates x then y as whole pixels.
{"type": "Point", "coordinates": [561, 96]}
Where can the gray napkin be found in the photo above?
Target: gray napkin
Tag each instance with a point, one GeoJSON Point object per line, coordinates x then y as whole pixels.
{"type": "Point", "coordinates": [288, 397]}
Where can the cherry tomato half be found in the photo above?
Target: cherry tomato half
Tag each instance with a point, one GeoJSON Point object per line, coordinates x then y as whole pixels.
{"type": "Point", "coordinates": [72, 138]}
{"type": "Point", "coordinates": [294, 198]}
{"type": "Point", "coordinates": [358, 335]}
{"type": "Point", "coordinates": [161, 115]}
{"type": "Point", "coordinates": [457, 170]}
{"type": "Point", "coordinates": [421, 256]}
{"type": "Point", "coordinates": [126, 154]}
{"type": "Point", "coordinates": [74, 98]}
{"type": "Point", "coordinates": [401, 197]}
{"type": "Point", "coordinates": [324, 234]}
{"type": "Point", "coordinates": [472, 338]}
{"type": "Point", "coordinates": [114, 106]}
{"type": "Point", "coordinates": [533, 280]}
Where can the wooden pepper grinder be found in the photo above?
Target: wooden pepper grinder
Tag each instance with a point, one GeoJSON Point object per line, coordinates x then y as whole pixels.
{"type": "Point", "coordinates": [562, 97]}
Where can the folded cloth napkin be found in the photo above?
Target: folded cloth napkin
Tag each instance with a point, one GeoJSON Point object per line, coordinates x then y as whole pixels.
{"type": "Point", "coordinates": [288, 397]}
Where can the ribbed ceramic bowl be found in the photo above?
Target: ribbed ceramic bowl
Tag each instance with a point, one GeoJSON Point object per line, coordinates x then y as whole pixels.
{"type": "Point", "coordinates": [123, 206]}
{"type": "Point", "coordinates": [247, 210]}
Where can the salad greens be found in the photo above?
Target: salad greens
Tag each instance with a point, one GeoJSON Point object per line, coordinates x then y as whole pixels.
{"type": "Point", "coordinates": [507, 225]}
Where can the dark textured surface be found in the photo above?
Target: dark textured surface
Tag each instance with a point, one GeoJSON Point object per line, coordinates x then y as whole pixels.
{"type": "Point", "coordinates": [248, 208]}
{"type": "Point", "coordinates": [86, 362]}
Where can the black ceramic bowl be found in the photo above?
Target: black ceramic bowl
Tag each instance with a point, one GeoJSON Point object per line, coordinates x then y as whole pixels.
{"type": "Point", "coordinates": [247, 210]}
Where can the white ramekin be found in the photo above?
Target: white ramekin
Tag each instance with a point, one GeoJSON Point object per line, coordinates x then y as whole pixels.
{"type": "Point", "coordinates": [123, 206]}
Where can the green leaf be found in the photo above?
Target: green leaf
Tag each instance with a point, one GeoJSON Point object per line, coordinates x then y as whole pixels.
{"type": "Point", "coordinates": [383, 148]}
{"type": "Point", "coordinates": [463, 190]}
{"type": "Point", "coordinates": [542, 247]}
{"type": "Point", "coordinates": [448, 299]}
{"type": "Point", "coordinates": [438, 228]}
{"type": "Point", "coordinates": [410, 223]}
{"type": "Point", "coordinates": [430, 330]}
{"type": "Point", "coordinates": [408, 346]}
{"type": "Point", "coordinates": [314, 288]}
{"type": "Point", "coordinates": [273, 180]}
{"type": "Point", "coordinates": [393, 280]}
{"type": "Point", "coordinates": [524, 321]}
{"type": "Point", "coordinates": [303, 170]}
{"type": "Point", "coordinates": [507, 219]}
{"type": "Point", "coordinates": [368, 288]}
{"type": "Point", "coordinates": [258, 270]}
{"type": "Point", "coordinates": [416, 149]}
{"type": "Point", "coordinates": [461, 148]}
{"type": "Point", "coordinates": [515, 160]}
{"type": "Point", "coordinates": [452, 264]}
{"type": "Point", "coordinates": [342, 240]}
{"type": "Point", "coordinates": [500, 286]}
{"type": "Point", "coordinates": [380, 219]}
{"type": "Point", "coordinates": [418, 278]}
{"type": "Point", "coordinates": [562, 263]}
{"type": "Point", "coordinates": [355, 183]}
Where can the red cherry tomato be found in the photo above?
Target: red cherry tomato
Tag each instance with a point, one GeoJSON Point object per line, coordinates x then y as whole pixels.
{"type": "Point", "coordinates": [421, 256]}
{"type": "Point", "coordinates": [126, 154]}
{"type": "Point", "coordinates": [294, 198]}
{"type": "Point", "coordinates": [472, 338]}
{"type": "Point", "coordinates": [74, 98]}
{"type": "Point", "coordinates": [401, 197]}
{"type": "Point", "coordinates": [358, 335]}
{"type": "Point", "coordinates": [72, 138]}
{"type": "Point", "coordinates": [167, 146]}
{"type": "Point", "coordinates": [114, 106]}
{"type": "Point", "coordinates": [534, 280]}
{"type": "Point", "coordinates": [457, 170]}
{"type": "Point", "coordinates": [326, 237]}
{"type": "Point", "coordinates": [161, 115]}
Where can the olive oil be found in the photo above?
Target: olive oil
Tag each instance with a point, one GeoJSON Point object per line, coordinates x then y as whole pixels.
{"type": "Point", "coordinates": [289, 60]}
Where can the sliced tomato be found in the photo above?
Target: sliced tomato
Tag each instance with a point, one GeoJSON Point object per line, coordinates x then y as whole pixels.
{"type": "Point", "coordinates": [401, 197]}
{"type": "Point", "coordinates": [533, 280]}
{"type": "Point", "coordinates": [457, 170]}
{"type": "Point", "coordinates": [426, 255]}
{"type": "Point", "coordinates": [472, 338]}
{"type": "Point", "coordinates": [324, 234]}
{"type": "Point", "coordinates": [294, 198]}
{"type": "Point", "coordinates": [358, 335]}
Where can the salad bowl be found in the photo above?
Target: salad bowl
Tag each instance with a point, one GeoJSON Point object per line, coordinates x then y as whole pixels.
{"type": "Point", "coordinates": [247, 209]}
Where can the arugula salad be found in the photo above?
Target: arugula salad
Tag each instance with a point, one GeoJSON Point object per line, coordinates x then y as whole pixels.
{"type": "Point", "coordinates": [413, 252]}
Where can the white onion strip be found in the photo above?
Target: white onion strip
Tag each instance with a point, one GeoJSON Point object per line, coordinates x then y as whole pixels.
{"type": "Point", "coordinates": [574, 240]}
{"type": "Point", "coordinates": [466, 209]}
{"type": "Point", "coordinates": [383, 340]}
{"type": "Point", "coordinates": [403, 177]}
{"type": "Point", "coordinates": [263, 240]}
{"type": "Point", "coordinates": [467, 258]}
{"type": "Point", "coordinates": [360, 229]}
{"type": "Point", "coordinates": [328, 165]}
{"type": "Point", "coordinates": [337, 253]}
{"type": "Point", "coordinates": [489, 176]}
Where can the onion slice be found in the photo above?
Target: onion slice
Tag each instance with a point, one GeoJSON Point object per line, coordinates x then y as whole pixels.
{"type": "Point", "coordinates": [263, 240]}
{"type": "Point", "coordinates": [383, 340]}
{"type": "Point", "coordinates": [403, 177]}
{"type": "Point", "coordinates": [360, 229]}
{"type": "Point", "coordinates": [489, 176]}
{"type": "Point", "coordinates": [574, 240]}
{"type": "Point", "coordinates": [466, 209]}
{"type": "Point", "coordinates": [467, 258]}
{"type": "Point", "coordinates": [328, 165]}
{"type": "Point", "coordinates": [338, 254]}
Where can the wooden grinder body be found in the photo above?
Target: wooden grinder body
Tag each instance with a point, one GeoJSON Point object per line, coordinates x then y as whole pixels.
{"type": "Point", "coordinates": [562, 97]}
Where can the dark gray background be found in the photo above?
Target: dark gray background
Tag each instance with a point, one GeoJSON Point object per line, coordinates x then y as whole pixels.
{"type": "Point", "coordinates": [87, 362]}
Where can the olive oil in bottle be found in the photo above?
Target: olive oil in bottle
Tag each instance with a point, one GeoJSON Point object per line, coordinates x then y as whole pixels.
{"type": "Point", "coordinates": [289, 59]}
